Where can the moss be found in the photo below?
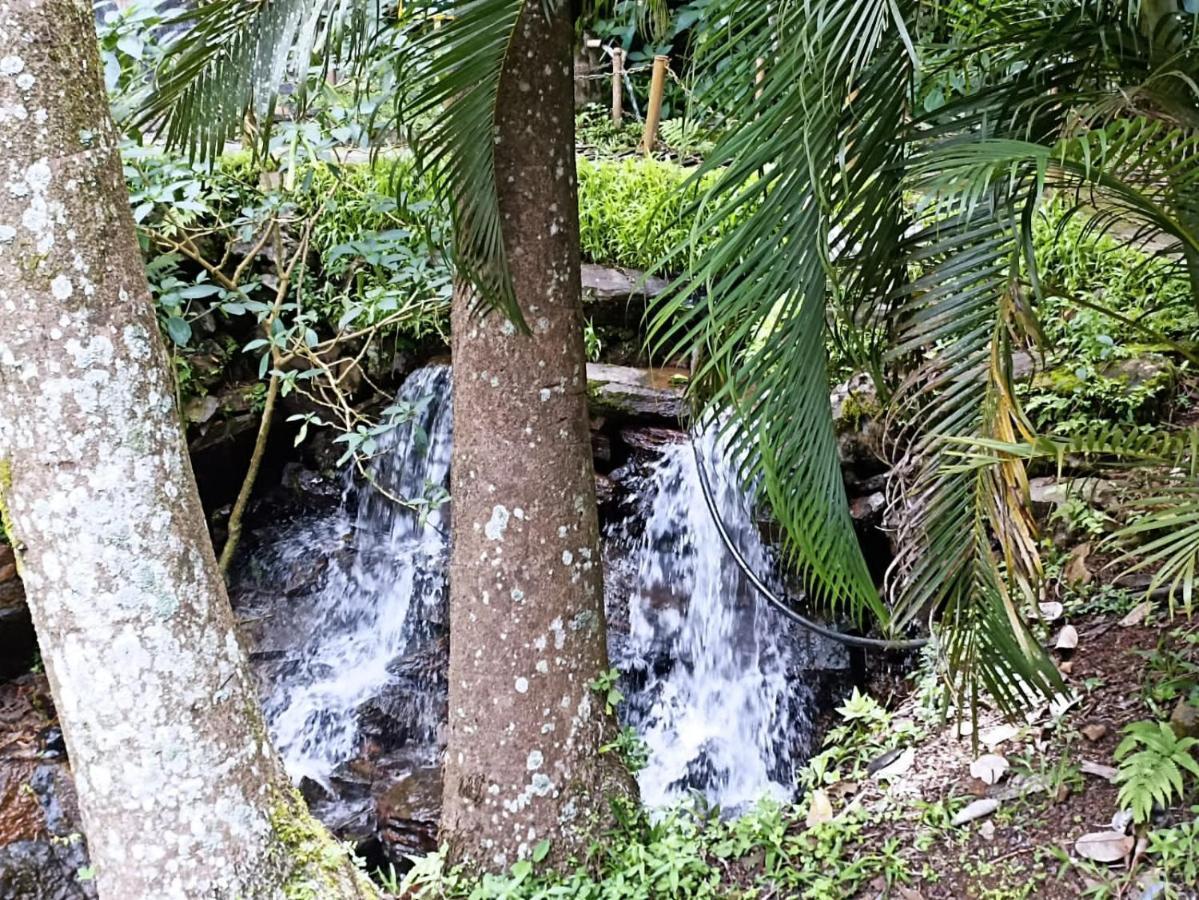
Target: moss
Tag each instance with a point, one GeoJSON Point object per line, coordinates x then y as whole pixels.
{"type": "Point", "coordinates": [320, 868]}
{"type": "Point", "coordinates": [859, 406]}
{"type": "Point", "coordinates": [7, 532]}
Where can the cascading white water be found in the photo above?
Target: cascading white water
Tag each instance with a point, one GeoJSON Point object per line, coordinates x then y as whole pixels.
{"type": "Point", "coordinates": [351, 602]}
{"type": "Point", "coordinates": [375, 597]}
{"type": "Point", "coordinates": [713, 664]}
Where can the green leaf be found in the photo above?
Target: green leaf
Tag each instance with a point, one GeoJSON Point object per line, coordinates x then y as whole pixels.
{"type": "Point", "coordinates": [180, 330]}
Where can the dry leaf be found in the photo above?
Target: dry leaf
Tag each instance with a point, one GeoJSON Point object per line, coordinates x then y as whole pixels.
{"type": "Point", "coordinates": [1051, 611]}
{"type": "Point", "coordinates": [1095, 731]}
{"type": "Point", "coordinates": [1067, 638]}
{"type": "Point", "coordinates": [1097, 769]}
{"type": "Point", "coordinates": [1076, 571]}
{"type": "Point", "coordinates": [989, 768]}
{"type": "Point", "coordinates": [993, 737]}
{"type": "Point", "coordinates": [1137, 615]}
{"type": "Point", "coordinates": [901, 765]}
{"type": "Point", "coordinates": [1104, 846]}
{"type": "Point", "coordinates": [976, 810]}
{"type": "Point", "coordinates": [820, 809]}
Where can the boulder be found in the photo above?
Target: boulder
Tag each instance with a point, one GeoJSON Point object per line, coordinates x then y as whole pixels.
{"type": "Point", "coordinates": [617, 297]}
{"type": "Point", "coordinates": [631, 394]}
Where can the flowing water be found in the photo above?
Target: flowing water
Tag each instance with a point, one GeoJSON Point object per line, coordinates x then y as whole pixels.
{"type": "Point", "coordinates": [715, 701]}
{"type": "Point", "coordinates": [383, 585]}
{"type": "Point", "coordinates": [715, 678]}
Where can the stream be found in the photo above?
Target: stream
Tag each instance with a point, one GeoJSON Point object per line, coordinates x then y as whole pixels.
{"type": "Point", "coordinates": [349, 634]}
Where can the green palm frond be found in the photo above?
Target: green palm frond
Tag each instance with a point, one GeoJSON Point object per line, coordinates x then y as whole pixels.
{"type": "Point", "coordinates": [236, 54]}
{"type": "Point", "coordinates": [452, 82]}
{"type": "Point", "coordinates": [967, 544]}
{"type": "Point", "coordinates": [754, 308]}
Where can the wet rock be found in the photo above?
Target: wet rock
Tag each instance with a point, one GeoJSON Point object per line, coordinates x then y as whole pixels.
{"type": "Point", "coordinates": [42, 851]}
{"type": "Point", "coordinates": [652, 439]}
{"type": "Point", "coordinates": [409, 811]}
{"type": "Point", "coordinates": [18, 643]}
{"type": "Point", "coordinates": [44, 870]}
{"type": "Point", "coordinates": [624, 392]}
{"type": "Point", "coordinates": [605, 490]}
{"type": "Point", "coordinates": [414, 697]}
{"type": "Point", "coordinates": [869, 508]}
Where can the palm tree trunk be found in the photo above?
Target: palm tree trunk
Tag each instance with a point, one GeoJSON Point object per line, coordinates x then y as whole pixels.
{"type": "Point", "coordinates": [527, 634]}
{"type": "Point", "coordinates": [180, 792]}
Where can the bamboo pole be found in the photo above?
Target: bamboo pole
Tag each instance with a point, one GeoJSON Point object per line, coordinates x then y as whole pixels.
{"type": "Point", "coordinates": [617, 86]}
{"type": "Point", "coordinates": [653, 114]}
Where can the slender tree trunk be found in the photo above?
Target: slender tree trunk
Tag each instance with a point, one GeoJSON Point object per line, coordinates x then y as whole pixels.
{"type": "Point", "coordinates": [181, 795]}
{"type": "Point", "coordinates": [527, 634]}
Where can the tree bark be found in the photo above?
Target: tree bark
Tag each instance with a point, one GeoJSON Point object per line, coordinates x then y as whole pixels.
{"type": "Point", "coordinates": [181, 794]}
{"type": "Point", "coordinates": [527, 633]}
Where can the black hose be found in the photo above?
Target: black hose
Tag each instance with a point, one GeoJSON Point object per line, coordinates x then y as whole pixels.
{"type": "Point", "coordinates": [771, 597]}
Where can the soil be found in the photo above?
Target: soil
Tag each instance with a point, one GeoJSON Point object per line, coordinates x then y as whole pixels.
{"type": "Point", "coordinates": [1025, 848]}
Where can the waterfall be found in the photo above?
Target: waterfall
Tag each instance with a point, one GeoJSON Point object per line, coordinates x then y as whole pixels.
{"type": "Point", "coordinates": [384, 583]}
{"type": "Point", "coordinates": [711, 666]}
{"type": "Point", "coordinates": [352, 607]}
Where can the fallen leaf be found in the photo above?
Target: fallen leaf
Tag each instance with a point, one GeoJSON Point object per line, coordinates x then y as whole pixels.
{"type": "Point", "coordinates": [1076, 571]}
{"type": "Point", "coordinates": [1067, 638]}
{"type": "Point", "coordinates": [989, 768]}
{"type": "Point", "coordinates": [1121, 820]}
{"type": "Point", "coordinates": [987, 830]}
{"type": "Point", "coordinates": [899, 766]}
{"type": "Point", "coordinates": [1097, 769]}
{"type": "Point", "coordinates": [820, 809]}
{"type": "Point", "coordinates": [1066, 668]}
{"type": "Point", "coordinates": [993, 737]}
{"type": "Point", "coordinates": [1051, 611]}
{"type": "Point", "coordinates": [1062, 702]}
{"type": "Point", "coordinates": [1095, 731]}
{"type": "Point", "coordinates": [1137, 615]}
{"type": "Point", "coordinates": [1104, 846]}
{"type": "Point", "coordinates": [976, 810]}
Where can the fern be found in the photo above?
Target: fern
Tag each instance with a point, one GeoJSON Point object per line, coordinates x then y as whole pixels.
{"type": "Point", "coordinates": [1151, 761]}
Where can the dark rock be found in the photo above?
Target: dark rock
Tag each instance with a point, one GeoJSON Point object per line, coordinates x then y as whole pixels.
{"type": "Point", "coordinates": [623, 392]}
{"type": "Point", "coordinates": [409, 811]}
{"type": "Point", "coordinates": [652, 439]}
{"type": "Point", "coordinates": [868, 509]}
{"type": "Point", "coordinates": [45, 870]}
{"type": "Point", "coordinates": [18, 643]}
{"type": "Point", "coordinates": [42, 851]}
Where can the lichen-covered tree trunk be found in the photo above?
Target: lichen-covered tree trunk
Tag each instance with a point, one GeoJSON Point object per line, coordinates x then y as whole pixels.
{"type": "Point", "coordinates": [181, 794]}
{"type": "Point", "coordinates": [527, 638]}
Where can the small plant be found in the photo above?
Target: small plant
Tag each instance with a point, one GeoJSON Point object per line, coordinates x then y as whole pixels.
{"type": "Point", "coordinates": [1177, 853]}
{"type": "Point", "coordinates": [630, 747]}
{"type": "Point", "coordinates": [605, 684]}
{"type": "Point", "coordinates": [1152, 760]}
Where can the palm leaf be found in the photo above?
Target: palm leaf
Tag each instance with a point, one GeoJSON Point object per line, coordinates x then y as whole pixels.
{"type": "Point", "coordinates": [234, 57]}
